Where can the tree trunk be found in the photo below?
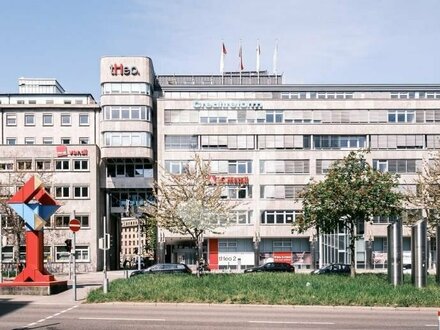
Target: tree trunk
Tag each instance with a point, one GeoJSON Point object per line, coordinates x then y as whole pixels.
{"type": "Point", "coordinates": [352, 249]}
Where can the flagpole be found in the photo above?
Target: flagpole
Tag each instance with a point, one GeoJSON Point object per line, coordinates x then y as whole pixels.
{"type": "Point", "coordinates": [258, 61]}
{"type": "Point", "coordinates": [240, 55]}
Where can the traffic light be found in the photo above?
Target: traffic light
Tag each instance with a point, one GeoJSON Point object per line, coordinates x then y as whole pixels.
{"type": "Point", "coordinates": [68, 244]}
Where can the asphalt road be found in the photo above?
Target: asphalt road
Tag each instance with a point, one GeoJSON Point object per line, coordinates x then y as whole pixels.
{"type": "Point", "coordinates": [37, 315]}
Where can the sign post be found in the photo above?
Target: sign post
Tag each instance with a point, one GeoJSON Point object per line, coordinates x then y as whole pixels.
{"type": "Point", "coordinates": [74, 226]}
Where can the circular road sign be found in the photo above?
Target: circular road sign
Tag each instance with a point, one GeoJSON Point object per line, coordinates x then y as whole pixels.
{"type": "Point", "coordinates": [74, 225]}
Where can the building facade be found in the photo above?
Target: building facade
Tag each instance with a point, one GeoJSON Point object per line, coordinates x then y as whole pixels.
{"type": "Point", "coordinates": [264, 139]}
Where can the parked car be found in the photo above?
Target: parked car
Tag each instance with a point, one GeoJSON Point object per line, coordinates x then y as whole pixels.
{"type": "Point", "coordinates": [163, 269]}
{"type": "Point", "coordinates": [333, 269]}
{"type": "Point", "coordinates": [272, 267]}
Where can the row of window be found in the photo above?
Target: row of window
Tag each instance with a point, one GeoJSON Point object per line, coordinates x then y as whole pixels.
{"type": "Point", "coordinates": [129, 169]}
{"type": "Point", "coordinates": [127, 139]}
{"type": "Point", "coordinates": [44, 140]}
{"type": "Point", "coordinates": [301, 116]}
{"type": "Point", "coordinates": [126, 88]}
{"type": "Point", "coordinates": [44, 165]}
{"type": "Point", "coordinates": [125, 112]}
{"type": "Point", "coordinates": [299, 95]}
{"type": "Point", "coordinates": [57, 253]}
{"type": "Point", "coordinates": [47, 119]}
{"type": "Point", "coordinates": [408, 141]}
{"type": "Point", "coordinates": [66, 192]}
{"type": "Point", "coordinates": [291, 166]}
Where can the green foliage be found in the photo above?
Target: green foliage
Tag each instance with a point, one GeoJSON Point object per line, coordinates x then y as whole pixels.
{"type": "Point", "coordinates": [351, 192]}
{"type": "Point", "coordinates": [274, 289]}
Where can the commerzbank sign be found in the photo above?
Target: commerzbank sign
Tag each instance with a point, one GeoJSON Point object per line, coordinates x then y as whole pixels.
{"type": "Point", "coordinates": [237, 105]}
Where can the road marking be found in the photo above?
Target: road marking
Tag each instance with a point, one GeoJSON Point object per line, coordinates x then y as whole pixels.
{"type": "Point", "coordinates": [293, 322]}
{"type": "Point", "coordinates": [431, 325]}
{"type": "Point", "coordinates": [49, 317]}
{"type": "Point", "coordinates": [117, 319]}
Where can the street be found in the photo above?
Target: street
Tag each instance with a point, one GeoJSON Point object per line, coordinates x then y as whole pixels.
{"type": "Point", "coordinates": [38, 315]}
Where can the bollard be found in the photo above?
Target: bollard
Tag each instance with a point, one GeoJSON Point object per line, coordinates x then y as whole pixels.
{"type": "Point", "coordinates": [418, 254]}
{"type": "Point", "coordinates": [395, 243]}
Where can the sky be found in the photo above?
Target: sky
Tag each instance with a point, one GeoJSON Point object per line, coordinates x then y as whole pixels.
{"type": "Point", "coordinates": [319, 41]}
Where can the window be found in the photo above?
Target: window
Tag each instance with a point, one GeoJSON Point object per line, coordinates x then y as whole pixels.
{"type": "Point", "coordinates": [82, 253]}
{"type": "Point", "coordinates": [62, 165]}
{"type": "Point", "coordinates": [47, 140]}
{"type": "Point", "coordinates": [11, 119]}
{"type": "Point", "coordinates": [61, 254]}
{"type": "Point", "coordinates": [62, 192]}
{"type": "Point", "coordinates": [42, 164]}
{"type": "Point", "coordinates": [401, 116]}
{"type": "Point", "coordinates": [181, 142]}
{"type": "Point", "coordinates": [130, 169]}
{"type": "Point", "coordinates": [126, 88]}
{"type": "Point", "coordinates": [297, 166]}
{"type": "Point", "coordinates": [29, 140]}
{"type": "Point", "coordinates": [61, 220]}
{"type": "Point", "coordinates": [280, 217]}
{"type": "Point", "coordinates": [23, 165]}
{"type": "Point", "coordinates": [339, 141]}
{"type": "Point", "coordinates": [237, 192]}
{"type": "Point", "coordinates": [6, 165]}
{"type": "Point", "coordinates": [274, 116]}
{"type": "Point", "coordinates": [241, 217]}
{"type": "Point", "coordinates": [126, 112]}
{"type": "Point", "coordinates": [323, 165]}
{"type": "Point", "coordinates": [80, 164]}
{"type": "Point", "coordinates": [83, 140]}
{"type": "Point", "coordinates": [65, 120]}
{"type": "Point", "coordinates": [47, 119]}
{"type": "Point", "coordinates": [29, 119]}
{"type": "Point", "coordinates": [80, 192]}
{"type": "Point", "coordinates": [65, 140]}
{"type": "Point", "coordinates": [11, 140]}
{"type": "Point", "coordinates": [397, 165]}
{"type": "Point", "coordinates": [84, 220]}
{"type": "Point", "coordinates": [83, 119]}
{"type": "Point", "coordinates": [280, 191]}
{"type": "Point", "coordinates": [128, 139]}
{"type": "Point", "coordinates": [239, 166]}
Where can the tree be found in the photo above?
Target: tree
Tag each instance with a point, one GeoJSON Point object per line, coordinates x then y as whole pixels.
{"type": "Point", "coordinates": [190, 203]}
{"type": "Point", "coordinates": [426, 197]}
{"type": "Point", "coordinates": [352, 192]}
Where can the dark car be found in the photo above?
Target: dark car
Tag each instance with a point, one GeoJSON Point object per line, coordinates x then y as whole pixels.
{"type": "Point", "coordinates": [272, 267]}
{"type": "Point", "coordinates": [333, 269]}
{"type": "Point", "coordinates": [163, 269]}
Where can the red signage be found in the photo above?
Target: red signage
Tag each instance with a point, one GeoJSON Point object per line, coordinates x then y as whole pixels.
{"type": "Point", "coordinates": [120, 69]}
{"type": "Point", "coordinates": [229, 180]}
{"type": "Point", "coordinates": [282, 257]}
{"type": "Point", "coordinates": [74, 225]}
{"type": "Point", "coordinates": [63, 152]}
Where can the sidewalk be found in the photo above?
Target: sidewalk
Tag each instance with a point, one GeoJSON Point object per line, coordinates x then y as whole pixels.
{"type": "Point", "coordinates": [84, 283]}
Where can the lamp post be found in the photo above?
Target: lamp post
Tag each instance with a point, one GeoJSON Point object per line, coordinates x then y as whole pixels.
{"type": "Point", "coordinates": [1, 248]}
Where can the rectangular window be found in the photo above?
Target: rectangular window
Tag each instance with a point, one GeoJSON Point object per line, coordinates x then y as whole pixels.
{"type": "Point", "coordinates": [280, 217]}
{"type": "Point", "coordinates": [83, 119]}
{"type": "Point", "coordinates": [84, 220]}
{"type": "Point", "coordinates": [6, 165]}
{"type": "Point", "coordinates": [80, 164]}
{"type": "Point", "coordinates": [62, 192]}
{"type": "Point", "coordinates": [81, 192]}
{"type": "Point", "coordinates": [11, 119]}
{"type": "Point", "coordinates": [24, 165]}
{"type": "Point", "coordinates": [83, 140]}
{"type": "Point", "coordinates": [62, 165]}
{"type": "Point", "coordinates": [11, 140]}
{"type": "Point", "coordinates": [42, 165]}
{"type": "Point", "coordinates": [29, 140]}
{"type": "Point", "coordinates": [65, 119]}
{"type": "Point", "coordinates": [47, 119]}
{"type": "Point", "coordinates": [61, 221]}
{"type": "Point", "coordinates": [65, 140]}
{"type": "Point", "coordinates": [29, 119]}
{"type": "Point", "coordinates": [61, 254]}
{"type": "Point", "coordinates": [47, 140]}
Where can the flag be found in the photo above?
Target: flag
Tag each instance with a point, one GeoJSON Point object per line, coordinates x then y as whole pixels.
{"type": "Point", "coordinates": [258, 56]}
{"type": "Point", "coordinates": [240, 55]}
{"type": "Point", "coordinates": [222, 58]}
{"type": "Point", "coordinates": [275, 58]}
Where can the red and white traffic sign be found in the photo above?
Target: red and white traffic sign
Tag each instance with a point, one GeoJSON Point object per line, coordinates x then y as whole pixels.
{"type": "Point", "coordinates": [74, 225]}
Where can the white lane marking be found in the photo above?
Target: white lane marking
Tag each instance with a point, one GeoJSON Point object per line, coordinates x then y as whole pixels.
{"type": "Point", "coordinates": [431, 325]}
{"type": "Point", "coordinates": [49, 317]}
{"type": "Point", "coordinates": [117, 319]}
{"type": "Point", "coordinates": [292, 322]}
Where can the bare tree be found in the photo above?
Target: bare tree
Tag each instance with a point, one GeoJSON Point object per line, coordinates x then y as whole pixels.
{"type": "Point", "coordinates": [191, 203]}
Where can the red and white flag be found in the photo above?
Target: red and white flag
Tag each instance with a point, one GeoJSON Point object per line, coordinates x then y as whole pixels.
{"type": "Point", "coordinates": [240, 55]}
{"type": "Point", "coordinates": [222, 58]}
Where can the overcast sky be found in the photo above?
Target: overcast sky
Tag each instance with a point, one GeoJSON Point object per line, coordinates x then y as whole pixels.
{"type": "Point", "coordinates": [319, 41]}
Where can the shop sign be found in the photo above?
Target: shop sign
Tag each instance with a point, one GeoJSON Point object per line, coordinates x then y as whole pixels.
{"type": "Point", "coordinates": [282, 257]}
{"type": "Point", "coordinates": [63, 152]}
{"type": "Point", "coordinates": [120, 69]}
{"type": "Point", "coordinates": [233, 105]}
{"type": "Point", "coordinates": [235, 258]}
{"type": "Point", "coordinates": [229, 180]}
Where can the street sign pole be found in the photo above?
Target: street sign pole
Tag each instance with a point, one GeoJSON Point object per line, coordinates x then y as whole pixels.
{"type": "Point", "coordinates": [105, 284]}
{"type": "Point", "coordinates": [74, 265]}
{"type": "Point", "coordinates": [74, 226]}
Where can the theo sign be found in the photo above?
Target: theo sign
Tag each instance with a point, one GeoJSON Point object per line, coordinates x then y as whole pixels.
{"type": "Point", "coordinates": [121, 70]}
